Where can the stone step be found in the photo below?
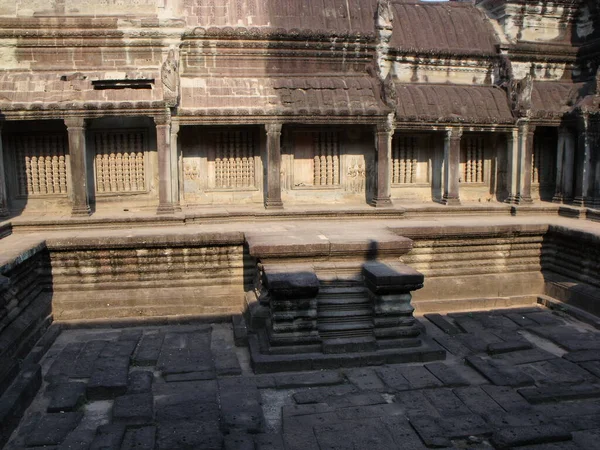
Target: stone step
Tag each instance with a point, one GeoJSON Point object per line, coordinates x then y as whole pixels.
{"type": "Point", "coordinates": [345, 313]}
{"type": "Point", "coordinates": [346, 334]}
{"type": "Point", "coordinates": [345, 325]}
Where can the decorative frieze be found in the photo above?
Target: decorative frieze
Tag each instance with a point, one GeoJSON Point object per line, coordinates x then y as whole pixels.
{"type": "Point", "coordinates": [234, 159]}
{"type": "Point", "coordinates": [404, 160]}
{"type": "Point", "coordinates": [473, 155]}
{"type": "Point", "coordinates": [120, 161]}
{"type": "Point", "coordinates": [40, 163]}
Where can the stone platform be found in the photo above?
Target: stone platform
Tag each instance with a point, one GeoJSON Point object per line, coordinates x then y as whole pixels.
{"type": "Point", "coordinates": [524, 378]}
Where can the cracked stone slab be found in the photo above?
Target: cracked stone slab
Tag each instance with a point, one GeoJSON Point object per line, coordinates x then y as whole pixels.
{"type": "Point", "coordinates": [53, 428]}
{"type": "Point", "coordinates": [498, 374]}
{"type": "Point", "coordinates": [447, 374]}
{"type": "Point", "coordinates": [67, 397]}
{"type": "Point", "coordinates": [109, 378]}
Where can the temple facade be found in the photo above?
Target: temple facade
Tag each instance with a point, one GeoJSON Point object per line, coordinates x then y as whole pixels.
{"type": "Point", "coordinates": [170, 104]}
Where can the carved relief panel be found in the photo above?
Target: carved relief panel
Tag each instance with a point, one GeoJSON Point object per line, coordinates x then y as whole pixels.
{"type": "Point", "coordinates": [40, 163]}
{"type": "Point", "coordinates": [120, 161]}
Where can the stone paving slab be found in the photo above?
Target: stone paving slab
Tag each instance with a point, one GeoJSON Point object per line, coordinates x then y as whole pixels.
{"type": "Point", "coordinates": [181, 387]}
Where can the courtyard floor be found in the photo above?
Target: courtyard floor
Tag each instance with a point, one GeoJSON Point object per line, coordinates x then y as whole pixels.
{"type": "Point", "coordinates": [521, 378]}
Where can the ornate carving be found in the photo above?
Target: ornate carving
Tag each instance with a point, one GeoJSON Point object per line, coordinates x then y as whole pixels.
{"type": "Point", "coordinates": [120, 161]}
{"type": "Point", "coordinates": [473, 159]}
{"type": "Point", "coordinates": [521, 95]}
{"type": "Point", "coordinates": [40, 163]}
{"type": "Point", "coordinates": [170, 78]}
{"type": "Point", "coordinates": [385, 14]}
{"type": "Point", "coordinates": [356, 176]}
{"type": "Point", "coordinates": [404, 160]}
{"type": "Point", "coordinates": [326, 149]}
{"type": "Point", "coordinates": [234, 159]}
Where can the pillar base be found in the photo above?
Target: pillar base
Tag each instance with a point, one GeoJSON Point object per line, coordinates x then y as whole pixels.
{"type": "Point", "coordinates": [523, 200]}
{"type": "Point", "coordinates": [273, 204]}
{"type": "Point", "coordinates": [385, 202]}
{"type": "Point", "coordinates": [511, 200]}
{"type": "Point", "coordinates": [583, 201]}
{"type": "Point", "coordinates": [81, 211]}
{"type": "Point", "coordinates": [167, 208]}
{"type": "Point", "coordinates": [4, 212]}
{"type": "Point", "coordinates": [450, 201]}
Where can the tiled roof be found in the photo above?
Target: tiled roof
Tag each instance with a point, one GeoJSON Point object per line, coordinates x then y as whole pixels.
{"type": "Point", "coordinates": [442, 27]}
{"type": "Point", "coordinates": [339, 95]}
{"type": "Point", "coordinates": [338, 16]}
{"type": "Point", "coordinates": [452, 104]}
{"type": "Point", "coordinates": [48, 90]}
{"type": "Point", "coordinates": [554, 99]}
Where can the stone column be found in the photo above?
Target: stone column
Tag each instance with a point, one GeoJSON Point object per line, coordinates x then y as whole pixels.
{"type": "Point", "coordinates": [585, 177]}
{"type": "Point", "coordinates": [78, 161]}
{"type": "Point", "coordinates": [383, 146]}
{"type": "Point", "coordinates": [176, 174]}
{"type": "Point", "coordinates": [568, 167]}
{"type": "Point", "coordinates": [3, 192]}
{"type": "Point", "coordinates": [558, 196]}
{"type": "Point", "coordinates": [452, 166]}
{"type": "Point", "coordinates": [273, 154]}
{"type": "Point", "coordinates": [512, 149]}
{"type": "Point", "coordinates": [526, 132]}
{"type": "Point", "coordinates": [163, 147]}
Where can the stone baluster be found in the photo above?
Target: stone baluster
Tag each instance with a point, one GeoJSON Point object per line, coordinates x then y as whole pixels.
{"type": "Point", "coordinates": [273, 159]}
{"type": "Point", "coordinates": [80, 196]}
{"type": "Point", "coordinates": [452, 141]}
{"type": "Point", "coordinates": [383, 146]}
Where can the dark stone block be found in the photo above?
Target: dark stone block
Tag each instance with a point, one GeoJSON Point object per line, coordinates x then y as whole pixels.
{"type": "Point", "coordinates": [78, 439]}
{"type": "Point", "coordinates": [108, 437]}
{"type": "Point", "coordinates": [446, 374]}
{"type": "Point", "coordinates": [118, 348]}
{"type": "Point", "coordinates": [67, 397]}
{"type": "Point", "coordinates": [506, 397]}
{"type": "Point", "coordinates": [391, 278]}
{"type": "Point", "coordinates": [269, 441]}
{"type": "Point", "coordinates": [241, 410]}
{"type": "Point", "coordinates": [226, 362]}
{"type": "Point", "coordinates": [320, 394]}
{"type": "Point", "coordinates": [557, 393]}
{"type": "Point", "coordinates": [84, 364]}
{"type": "Point", "coordinates": [52, 429]}
{"type": "Point", "coordinates": [109, 378]}
{"type": "Point", "coordinates": [392, 377]}
{"type": "Point", "coordinates": [539, 434]}
{"type": "Point", "coordinates": [291, 285]}
{"type": "Point", "coordinates": [185, 352]}
{"type": "Point", "coordinates": [370, 411]}
{"type": "Point", "coordinates": [419, 377]}
{"type": "Point", "coordinates": [203, 435]}
{"type": "Point", "coordinates": [508, 346]}
{"type": "Point", "coordinates": [583, 356]}
{"type": "Point", "coordinates": [430, 431]}
{"type": "Point", "coordinates": [324, 378]}
{"type": "Point", "coordinates": [139, 382]}
{"type": "Point", "coordinates": [517, 358]}
{"type": "Point", "coordinates": [366, 435]}
{"type": "Point", "coordinates": [365, 379]}
{"type": "Point", "coordinates": [362, 399]}
{"type": "Point", "coordinates": [416, 403]}
{"type": "Point", "coordinates": [478, 401]}
{"type": "Point", "coordinates": [498, 374]}
{"type": "Point", "coordinates": [439, 321]}
{"type": "Point", "coordinates": [139, 438]}
{"type": "Point", "coordinates": [61, 368]}
{"type": "Point", "coordinates": [134, 409]}
{"type": "Point", "coordinates": [239, 441]}
{"type": "Point", "coordinates": [130, 335]}
{"type": "Point", "coordinates": [148, 350]}
{"type": "Point", "coordinates": [191, 376]}
{"type": "Point", "coordinates": [446, 402]}
{"type": "Point", "coordinates": [592, 366]}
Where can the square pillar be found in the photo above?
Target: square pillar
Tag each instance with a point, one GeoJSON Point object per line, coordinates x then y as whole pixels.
{"type": "Point", "coordinates": [176, 173]}
{"type": "Point", "coordinates": [585, 178]}
{"type": "Point", "coordinates": [452, 166]}
{"type": "Point", "coordinates": [273, 159]}
{"type": "Point", "coordinates": [163, 147]}
{"type": "Point", "coordinates": [526, 133]}
{"type": "Point", "coordinates": [512, 151]}
{"type": "Point", "coordinates": [383, 147]}
{"type": "Point", "coordinates": [78, 161]}
{"type": "Point", "coordinates": [3, 192]}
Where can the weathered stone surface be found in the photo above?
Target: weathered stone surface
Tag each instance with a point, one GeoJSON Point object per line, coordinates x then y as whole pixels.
{"type": "Point", "coordinates": [240, 407]}
{"type": "Point", "coordinates": [139, 438]}
{"type": "Point", "coordinates": [148, 350]}
{"type": "Point", "coordinates": [53, 428]}
{"type": "Point", "coordinates": [442, 324]}
{"type": "Point", "coordinates": [319, 394]}
{"type": "Point", "coordinates": [291, 285]}
{"type": "Point", "coordinates": [134, 409]}
{"type": "Point", "coordinates": [239, 441]}
{"type": "Point", "coordinates": [419, 377]}
{"type": "Point", "coordinates": [140, 381]}
{"type": "Point", "coordinates": [186, 352]}
{"type": "Point", "coordinates": [445, 402]}
{"type": "Point", "coordinates": [108, 436]}
{"type": "Point", "coordinates": [61, 368]}
{"type": "Point", "coordinates": [190, 434]}
{"type": "Point", "coordinates": [322, 378]}
{"type": "Point", "coordinates": [478, 401]}
{"type": "Point", "coordinates": [365, 379]}
{"type": "Point", "coordinates": [538, 434]}
{"type": "Point", "coordinates": [559, 393]}
{"type": "Point", "coordinates": [447, 374]}
{"type": "Point", "coordinates": [498, 374]}
{"type": "Point", "coordinates": [506, 397]}
{"type": "Point", "coordinates": [109, 378]}
{"type": "Point", "coordinates": [518, 357]}
{"type": "Point", "coordinates": [582, 356]}
{"type": "Point", "coordinates": [508, 346]}
{"type": "Point", "coordinates": [67, 397]}
{"type": "Point", "coordinates": [392, 378]}
{"type": "Point", "coordinates": [86, 359]}
{"type": "Point", "coordinates": [353, 435]}
{"type": "Point", "coordinates": [78, 439]}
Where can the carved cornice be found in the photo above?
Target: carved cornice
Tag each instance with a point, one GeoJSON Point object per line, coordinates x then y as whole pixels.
{"type": "Point", "coordinates": [262, 33]}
